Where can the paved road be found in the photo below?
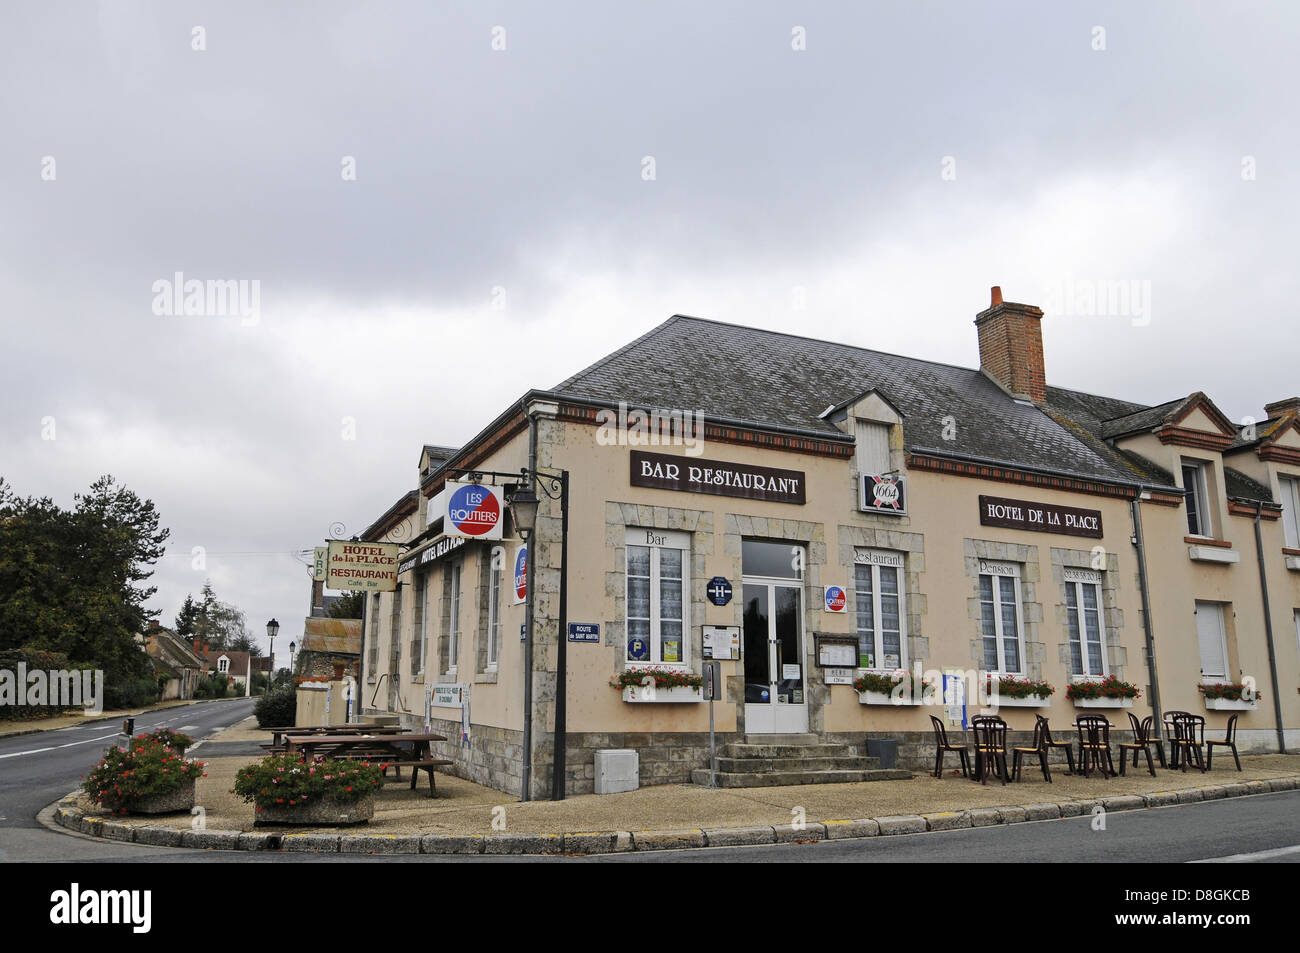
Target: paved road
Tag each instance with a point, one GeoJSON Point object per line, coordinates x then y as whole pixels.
{"type": "Point", "coordinates": [37, 769]}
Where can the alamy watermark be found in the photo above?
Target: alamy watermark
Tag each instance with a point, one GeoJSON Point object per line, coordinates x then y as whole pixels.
{"type": "Point", "coordinates": [1107, 298]}
{"type": "Point", "coordinates": [180, 296]}
{"type": "Point", "coordinates": [654, 428]}
{"type": "Point", "coordinates": [52, 688]}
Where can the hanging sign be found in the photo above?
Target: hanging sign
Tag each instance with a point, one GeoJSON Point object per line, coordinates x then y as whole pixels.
{"type": "Point", "coordinates": [520, 590]}
{"type": "Point", "coordinates": [368, 566]}
{"type": "Point", "coordinates": [474, 511]}
{"type": "Point", "coordinates": [883, 494]}
{"type": "Point", "coordinates": [320, 563]}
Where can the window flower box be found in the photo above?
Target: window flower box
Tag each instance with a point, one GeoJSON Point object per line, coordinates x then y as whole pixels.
{"type": "Point", "coordinates": [882, 698]}
{"type": "Point", "coordinates": [1108, 692]}
{"type": "Point", "coordinates": [1230, 704]}
{"type": "Point", "coordinates": [878, 688]}
{"type": "Point", "coordinates": [649, 693]}
{"type": "Point", "coordinates": [1103, 702]}
{"type": "Point", "coordinates": [1008, 691]}
{"type": "Point", "coordinates": [665, 685]}
{"type": "Point", "coordinates": [1029, 701]}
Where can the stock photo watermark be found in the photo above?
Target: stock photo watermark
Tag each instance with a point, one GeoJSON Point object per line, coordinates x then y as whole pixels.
{"type": "Point", "coordinates": [179, 296]}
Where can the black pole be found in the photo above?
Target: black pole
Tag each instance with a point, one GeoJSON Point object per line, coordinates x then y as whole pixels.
{"type": "Point", "coordinates": [561, 655]}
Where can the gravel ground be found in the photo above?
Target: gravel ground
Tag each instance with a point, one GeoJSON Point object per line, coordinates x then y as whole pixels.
{"type": "Point", "coordinates": [463, 807]}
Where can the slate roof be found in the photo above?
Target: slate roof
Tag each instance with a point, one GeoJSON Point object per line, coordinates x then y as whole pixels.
{"type": "Point", "coordinates": [770, 379]}
{"type": "Point", "coordinates": [332, 636]}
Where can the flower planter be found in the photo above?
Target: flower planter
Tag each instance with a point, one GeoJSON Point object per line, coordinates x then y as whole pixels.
{"type": "Point", "coordinates": [880, 698]}
{"type": "Point", "coordinates": [1103, 702]}
{"type": "Point", "coordinates": [182, 799]}
{"type": "Point", "coordinates": [323, 813]}
{"type": "Point", "coordinates": [640, 693]}
{"type": "Point", "coordinates": [1029, 701]}
{"type": "Point", "coordinates": [1230, 704]}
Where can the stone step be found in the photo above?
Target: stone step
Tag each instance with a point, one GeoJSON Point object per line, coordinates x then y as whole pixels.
{"type": "Point", "coordinates": [737, 750]}
{"type": "Point", "coordinates": [785, 778]}
{"type": "Point", "coordinates": [800, 739]}
{"type": "Point", "coordinates": [767, 765]}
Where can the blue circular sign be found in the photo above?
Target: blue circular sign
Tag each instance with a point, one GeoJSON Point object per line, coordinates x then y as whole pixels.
{"type": "Point", "coordinates": [638, 649]}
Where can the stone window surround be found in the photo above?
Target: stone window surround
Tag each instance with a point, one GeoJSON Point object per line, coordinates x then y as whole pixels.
{"type": "Point", "coordinates": [482, 593]}
{"type": "Point", "coordinates": [1031, 610]}
{"type": "Point", "coordinates": [1112, 615]}
{"type": "Point", "coordinates": [885, 535]}
{"type": "Point", "coordinates": [444, 613]}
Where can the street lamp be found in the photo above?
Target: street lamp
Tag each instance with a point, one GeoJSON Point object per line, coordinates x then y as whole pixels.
{"type": "Point", "coordinates": [272, 630]}
{"type": "Point", "coordinates": [291, 669]}
{"type": "Point", "coordinates": [523, 511]}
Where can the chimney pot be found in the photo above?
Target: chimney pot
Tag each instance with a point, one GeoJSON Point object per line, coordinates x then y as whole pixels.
{"type": "Point", "coordinates": [996, 296]}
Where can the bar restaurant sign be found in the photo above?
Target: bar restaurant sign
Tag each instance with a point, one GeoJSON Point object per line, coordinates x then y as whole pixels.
{"type": "Point", "coordinates": [722, 478]}
{"type": "Point", "coordinates": [1039, 517]}
{"type": "Point", "coordinates": [368, 566]}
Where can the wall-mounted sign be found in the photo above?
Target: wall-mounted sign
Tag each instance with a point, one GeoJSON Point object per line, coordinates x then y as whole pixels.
{"type": "Point", "coordinates": [877, 557]}
{"type": "Point", "coordinates": [448, 696]}
{"type": "Point", "coordinates": [473, 510]}
{"type": "Point", "coordinates": [789, 671]}
{"type": "Point", "coordinates": [1040, 517]}
{"type": "Point", "coordinates": [836, 651]}
{"type": "Point", "coordinates": [436, 550]}
{"type": "Point", "coordinates": [836, 599]}
{"type": "Point", "coordinates": [719, 591]}
{"type": "Point", "coordinates": [638, 650]}
{"type": "Point", "coordinates": [721, 642]}
{"type": "Point", "coordinates": [520, 590]}
{"type": "Point", "coordinates": [882, 494]}
{"type": "Point", "coordinates": [837, 676]}
{"type": "Point", "coordinates": [584, 632]}
{"type": "Point", "coordinates": [662, 471]}
{"type": "Point", "coordinates": [320, 567]}
{"type": "Point", "coordinates": [368, 566]}
{"type": "Point", "coordinates": [1082, 575]}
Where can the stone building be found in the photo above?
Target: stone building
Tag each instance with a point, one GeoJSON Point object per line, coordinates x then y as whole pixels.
{"type": "Point", "coordinates": [812, 513]}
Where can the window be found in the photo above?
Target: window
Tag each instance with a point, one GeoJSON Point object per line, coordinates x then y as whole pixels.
{"type": "Point", "coordinates": [656, 586]}
{"type": "Point", "coordinates": [494, 616]}
{"type": "Point", "coordinates": [223, 664]}
{"type": "Point", "coordinates": [1084, 620]}
{"type": "Point", "coordinates": [1290, 510]}
{"type": "Point", "coordinates": [999, 587]}
{"type": "Point", "coordinates": [872, 447]}
{"type": "Point", "coordinates": [1213, 642]}
{"type": "Point", "coordinates": [373, 647]}
{"type": "Point", "coordinates": [419, 612]}
{"type": "Point", "coordinates": [879, 601]}
{"type": "Point", "coordinates": [1197, 500]}
{"type": "Point", "coordinates": [453, 622]}
{"type": "Point", "coordinates": [395, 630]}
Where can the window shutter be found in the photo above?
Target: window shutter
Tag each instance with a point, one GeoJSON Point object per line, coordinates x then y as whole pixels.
{"type": "Point", "coordinates": [873, 447]}
{"type": "Point", "coordinates": [1209, 631]}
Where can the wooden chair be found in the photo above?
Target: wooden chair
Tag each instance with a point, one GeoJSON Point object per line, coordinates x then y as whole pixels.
{"type": "Point", "coordinates": [1038, 748]}
{"type": "Point", "coordinates": [1148, 732]}
{"type": "Point", "coordinates": [1189, 738]}
{"type": "Point", "coordinates": [990, 746]}
{"type": "Point", "coordinates": [1094, 745]}
{"type": "Point", "coordinates": [1140, 743]}
{"type": "Point", "coordinates": [1230, 742]}
{"type": "Point", "coordinates": [1066, 746]}
{"type": "Point", "coordinates": [1171, 735]}
{"type": "Point", "coordinates": [942, 747]}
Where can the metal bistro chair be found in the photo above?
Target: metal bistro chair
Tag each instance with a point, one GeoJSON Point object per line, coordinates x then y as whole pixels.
{"type": "Point", "coordinates": [990, 746]}
{"type": "Point", "coordinates": [1094, 745]}
{"type": "Point", "coordinates": [1171, 735]}
{"type": "Point", "coordinates": [1189, 739]}
{"type": "Point", "coordinates": [1037, 748]}
{"type": "Point", "coordinates": [1140, 743]}
{"type": "Point", "coordinates": [942, 747]}
{"type": "Point", "coordinates": [1230, 742]}
{"type": "Point", "coordinates": [1066, 746]}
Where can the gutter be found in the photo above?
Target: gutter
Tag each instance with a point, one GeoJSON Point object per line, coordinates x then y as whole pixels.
{"type": "Point", "coordinates": [1268, 628]}
{"type": "Point", "coordinates": [1139, 542]}
{"type": "Point", "coordinates": [1028, 468]}
{"type": "Point", "coordinates": [526, 775]}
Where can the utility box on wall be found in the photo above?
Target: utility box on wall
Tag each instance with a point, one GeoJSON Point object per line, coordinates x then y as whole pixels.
{"type": "Point", "coordinates": [617, 771]}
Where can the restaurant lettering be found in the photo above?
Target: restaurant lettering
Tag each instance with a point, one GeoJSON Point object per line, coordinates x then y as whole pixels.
{"type": "Point", "coordinates": [371, 566]}
{"type": "Point", "coordinates": [1040, 517]}
{"type": "Point", "coordinates": [664, 472]}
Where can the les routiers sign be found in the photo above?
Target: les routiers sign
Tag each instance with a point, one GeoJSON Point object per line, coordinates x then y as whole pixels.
{"type": "Point", "coordinates": [1039, 517]}
{"type": "Point", "coordinates": [356, 565]}
{"type": "Point", "coordinates": [664, 472]}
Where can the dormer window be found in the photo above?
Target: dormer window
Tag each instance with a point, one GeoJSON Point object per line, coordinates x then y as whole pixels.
{"type": "Point", "coordinates": [1197, 499]}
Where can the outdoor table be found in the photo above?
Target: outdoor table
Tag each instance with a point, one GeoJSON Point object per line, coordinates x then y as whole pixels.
{"type": "Point", "coordinates": [341, 744]}
{"type": "Point", "coordinates": [278, 733]}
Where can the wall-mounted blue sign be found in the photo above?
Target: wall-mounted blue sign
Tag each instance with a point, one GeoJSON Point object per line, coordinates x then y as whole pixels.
{"type": "Point", "coordinates": [719, 591]}
{"type": "Point", "coordinates": [584, 631]}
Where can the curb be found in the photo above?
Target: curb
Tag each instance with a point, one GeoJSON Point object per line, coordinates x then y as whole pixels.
{"type": "Point", "coordinates": [66, 814]}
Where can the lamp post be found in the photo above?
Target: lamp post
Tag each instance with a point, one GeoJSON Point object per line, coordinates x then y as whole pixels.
{"type": "Point", "coordinates": [291, 669]}
{"type": "Point", "coordinates": [523, 503]}
{"type": "Point", "coordinates": [272, 630]}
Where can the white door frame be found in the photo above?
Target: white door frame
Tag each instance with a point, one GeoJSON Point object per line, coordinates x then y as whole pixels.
{"type": "Point", "coordinates": [773, 716]}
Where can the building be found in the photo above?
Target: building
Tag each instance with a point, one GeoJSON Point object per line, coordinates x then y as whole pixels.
{"type": "Point", "coordinates": [175, 664]}
{"type": "Point", "coordinates": [331, 648]}
{"type": "Point", "coordinates": [859, 507]}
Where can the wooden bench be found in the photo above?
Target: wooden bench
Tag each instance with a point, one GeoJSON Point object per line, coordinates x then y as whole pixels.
{"type": "Point", "coordinates": [428, 764]}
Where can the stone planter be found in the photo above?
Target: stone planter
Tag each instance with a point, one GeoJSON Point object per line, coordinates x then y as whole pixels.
{"type": "Point", "coordinates": [1230, 704]}
{"type": "Point", "coordinates": [880, 698]}
{"type": "Point", "coordinates": [638, 693]}
{"type": "Point", "coordinates": [182, 799]}
{"type": "Point", "coordinates": [323, 813]}
{"type": "Point", "coordinates": [1103, 703]}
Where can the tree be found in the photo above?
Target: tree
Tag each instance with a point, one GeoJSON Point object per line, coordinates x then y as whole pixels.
{"type": "Point", "coordinates": [73, 580]}
{"type": "Point", "coordinates": [348, 606]}
{"type": "Point", "coordinates": [218, 624]}
{"type": "Point", "coordinates": [187, 617]}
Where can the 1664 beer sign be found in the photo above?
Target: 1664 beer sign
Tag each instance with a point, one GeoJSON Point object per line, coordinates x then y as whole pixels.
{"type": "Point", "coordinates": [473, 511]}
{"type": "Point", "coordinates": [883, 493]}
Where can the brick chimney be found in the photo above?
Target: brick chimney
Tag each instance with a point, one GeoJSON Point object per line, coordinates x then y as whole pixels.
{"type": "Point", "coordinates": [1011, 347]}
{"type": "Point", "coordinates": [1280, 408]}
{"type": "Point", "coordinates": [196, 645]}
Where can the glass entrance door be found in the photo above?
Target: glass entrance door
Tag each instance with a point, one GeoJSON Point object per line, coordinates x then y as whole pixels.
{"type": "Point", "coordinates": [775, 687]}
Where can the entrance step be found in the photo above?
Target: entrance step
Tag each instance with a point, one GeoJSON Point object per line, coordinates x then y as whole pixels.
{"type": "Point", "coordinates": [767, 765]}
{"type": "Point", "coordinates": [765, 751]}
{"type": "Point", "coordinates": [801, 739]}
{"type": "Point", "coordinates": [782, 778]}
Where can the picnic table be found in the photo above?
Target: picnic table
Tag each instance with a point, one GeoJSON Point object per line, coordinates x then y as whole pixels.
{"type": "Point", "coordinates": [277, 734]}
{"type": "Point", "coordinates": [398, 750]}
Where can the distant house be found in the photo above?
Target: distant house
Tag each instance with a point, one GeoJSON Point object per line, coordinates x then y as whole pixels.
{"type": "Point", "coordinates": [330, 648]}
{"type": "Point", "coordinates": [174, 662]}
{"type": "Point", "coordinates": [228, 662]}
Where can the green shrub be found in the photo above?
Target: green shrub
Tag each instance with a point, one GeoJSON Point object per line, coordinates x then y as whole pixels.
{"type": "Point", "coordinates": [279, 709]}
{"type": "Point", "coordinates": [130, 693]}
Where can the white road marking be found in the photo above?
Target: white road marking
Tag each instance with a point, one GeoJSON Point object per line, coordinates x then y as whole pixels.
{"type": "Point", "coordinates": [70, 744]}
{"type": "Point", "coordinates": [188, 728]}
{"type": "Point", "coordinates": [1251, 858]}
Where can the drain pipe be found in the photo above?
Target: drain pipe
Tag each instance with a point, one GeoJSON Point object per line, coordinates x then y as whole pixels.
{"type": "Point", "coordinates": [1135, 507]}
{"type": "Point", "coordinates": [526, 774]}
{"type": "Point", "coordinates": [1268, 628]}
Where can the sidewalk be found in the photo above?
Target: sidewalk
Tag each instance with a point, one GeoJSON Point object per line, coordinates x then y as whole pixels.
{"type": "Point", "coordinates": [461, 818]}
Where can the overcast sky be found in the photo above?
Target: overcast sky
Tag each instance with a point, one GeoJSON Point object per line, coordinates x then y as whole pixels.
{"type": "Point", "coordinates": [867, 188]}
